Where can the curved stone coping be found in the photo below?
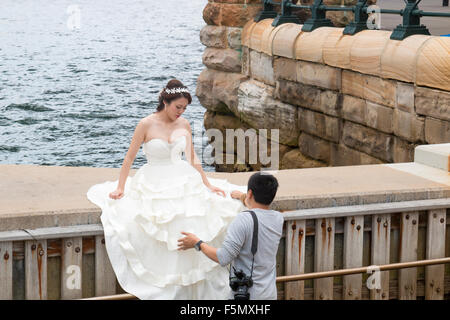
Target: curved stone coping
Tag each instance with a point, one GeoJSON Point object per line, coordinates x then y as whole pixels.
{"type": "Point", "coordinates": [423, 60]}
{"type": "Point", "coordinates": [49, 196]}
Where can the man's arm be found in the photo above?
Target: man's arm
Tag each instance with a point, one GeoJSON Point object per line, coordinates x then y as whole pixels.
{"type": "Point", "coordinates": [209, 251]}
{"type": "Point", "coordinates": [234, 240]}
{"type": "Point", "coordinates": [189, 242]}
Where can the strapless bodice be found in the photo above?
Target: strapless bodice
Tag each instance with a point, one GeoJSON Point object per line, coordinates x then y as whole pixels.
{"type": "Point", "coordinates": [161, 152]}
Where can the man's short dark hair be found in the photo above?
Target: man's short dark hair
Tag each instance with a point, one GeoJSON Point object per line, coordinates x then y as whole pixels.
{"type": "Point", "coordinates": [264, 187]}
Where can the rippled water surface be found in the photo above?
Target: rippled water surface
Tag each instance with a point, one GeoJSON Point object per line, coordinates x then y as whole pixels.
{"type": "Point", "coordinates": [77, 76]}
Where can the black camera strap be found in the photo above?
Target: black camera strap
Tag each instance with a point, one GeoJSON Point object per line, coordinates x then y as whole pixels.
{"type": "Point", "coordinates": [255, 238]}
{"type": "Point", "coordinates": [254, 247]}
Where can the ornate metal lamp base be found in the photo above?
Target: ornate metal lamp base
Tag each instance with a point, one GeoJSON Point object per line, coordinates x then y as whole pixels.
{"type": "Point", "coordinates": [401, 31]}
{"type": "Point", "coordinates": [355, 27]}
{"type": "Point", "coordinates": [279, 20]}
{"type": "Point", "coordinates": [312, 24]}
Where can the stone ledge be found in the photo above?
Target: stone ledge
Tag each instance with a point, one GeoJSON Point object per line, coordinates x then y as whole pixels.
{"type": "Point", "coordinates": [435, 155]}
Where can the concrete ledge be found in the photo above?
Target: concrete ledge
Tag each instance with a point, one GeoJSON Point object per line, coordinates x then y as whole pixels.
{"type": "Point", "coordinates": [434, 155]}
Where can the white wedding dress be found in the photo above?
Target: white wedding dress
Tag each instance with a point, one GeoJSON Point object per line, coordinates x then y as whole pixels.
{"type": "Point", "coordinates": [164, 197]}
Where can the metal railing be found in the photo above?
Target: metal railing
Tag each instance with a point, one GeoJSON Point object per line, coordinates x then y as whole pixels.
{"type": "Point", "coordinates": [410, 25]}
{"type": "Point", "coordinates": [365, 230]}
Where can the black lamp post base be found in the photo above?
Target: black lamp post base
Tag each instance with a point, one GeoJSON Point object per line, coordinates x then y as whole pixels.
{"type": "Point", "coordinates": [355, 27]}
{"type": "Point", "coordinates": [312, 24]}
{"type": "Point", "coordinates": [279, 20]}
{"type": "Point", "coordinates": [401, 32]}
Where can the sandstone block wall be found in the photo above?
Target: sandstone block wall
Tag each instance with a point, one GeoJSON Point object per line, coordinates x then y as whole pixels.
{"type": "Point", "coordinates": [335, 99]}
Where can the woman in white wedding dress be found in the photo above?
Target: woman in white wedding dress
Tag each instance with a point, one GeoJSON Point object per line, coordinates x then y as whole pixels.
{"type": "Point", "coordinates": [143, 216]}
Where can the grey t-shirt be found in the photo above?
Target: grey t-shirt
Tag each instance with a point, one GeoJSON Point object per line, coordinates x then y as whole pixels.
{"type": "Point", "coordinates": [236, 248]}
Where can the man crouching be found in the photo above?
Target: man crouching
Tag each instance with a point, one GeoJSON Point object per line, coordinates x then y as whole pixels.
{"type": "Point", "coordinates": [237, 245]}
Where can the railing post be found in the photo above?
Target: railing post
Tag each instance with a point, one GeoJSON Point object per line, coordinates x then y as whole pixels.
{"type": "Point", "coordinates": [324, 257]}
{"type": "Point", "coordinates": [6, 265]}
{"type": "Point", "coordinates": [295, 258]}
{"type": "Point", "coordinates": [411, 22]}
{"type": "Point", "coordinates": [380, 254]}
{"type": "Point", "coordinates": [267, 11]}
{"type": "Point", "coordinates": [71, 266]}
{"type": "Point", "coordinates": [318, 17]}
{"type": "Point", "coordinates": [105, 278]}
{"type": "Point", "coordinates": [353, 256]}
{"type": "Point", "coordinates": [409, 234]}
{"type": "Point", "coordinates": [435, 275]}
{"type": "Point", "coordinates": [359, 23]}
{"type": "Point", "coordinates": [286, 15]}
{"type": "Point", "coordinates": [36, 269]}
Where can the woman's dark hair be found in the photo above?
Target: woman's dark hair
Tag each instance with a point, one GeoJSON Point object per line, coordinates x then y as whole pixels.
{"type": "Point", "coordinates": [264, 187]}
{"type": "Point", "coordinates": [168, 97]}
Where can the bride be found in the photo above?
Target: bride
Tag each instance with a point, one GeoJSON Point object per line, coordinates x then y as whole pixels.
{"type": "Point", "coordinates": [143, 216]}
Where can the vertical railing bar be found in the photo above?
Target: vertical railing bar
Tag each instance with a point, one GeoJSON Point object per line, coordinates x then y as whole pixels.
{"type": "Point", "coordinates": [434, 275]}
{"type": "Point", "coordinates": [295, 257]}
{"type": "Point", "coordinates": [71, 268]}
{"type": "Point", "coordinates": [409, 234]}
{"type": "Point", "coordinates": [6, 265]}
{"type": "Point", "coordinates": [36, 269]}
{"type": "Point", "coordinates": [324, 257]}
{"type": "Point", "coordinates": [353, 256]}
{"type": "Point", "coordinates": [105, 279]}
{"type": "Point", "coordinates": [380, 250]}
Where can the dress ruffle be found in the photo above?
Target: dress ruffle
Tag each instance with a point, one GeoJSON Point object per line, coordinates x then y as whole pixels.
{"type": "Point", "coordinates": [143, 227]}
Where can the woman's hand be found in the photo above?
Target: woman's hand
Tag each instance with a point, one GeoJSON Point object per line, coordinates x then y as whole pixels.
{"type": "Point", "coordinates": [216, 190]}
{"type": "Point", "coordinates": [116, 194]}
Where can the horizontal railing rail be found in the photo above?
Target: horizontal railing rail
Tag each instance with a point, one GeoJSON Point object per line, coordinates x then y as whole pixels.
{"type": "Point", "coordinates": [314, 213]}
{"type": "Point", "coordinates": [84, 230]}
{"type": "Point", "coordinates": [367, 269]}
{"type": "Point", "coordinates": [362, 12]}
{"type": "Point", "coordinates": [367, 209]}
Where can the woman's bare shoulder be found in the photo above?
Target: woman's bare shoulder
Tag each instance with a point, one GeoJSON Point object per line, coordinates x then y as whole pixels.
{"type": "Point", "coordinates": [185, 123]}
{"type": "Point", "coordinates": [148, 120]}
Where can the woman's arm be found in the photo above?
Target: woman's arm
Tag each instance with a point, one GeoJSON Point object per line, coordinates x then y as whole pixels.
{"type": "Point", "coordinates": [136, 142]}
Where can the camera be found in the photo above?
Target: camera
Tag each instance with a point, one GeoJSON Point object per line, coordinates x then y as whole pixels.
{"type": "Point", "coordinates": [240, 284]}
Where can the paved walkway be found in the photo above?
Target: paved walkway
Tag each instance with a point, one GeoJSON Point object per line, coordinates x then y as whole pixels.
{"type": "Point", "coordinates": [35, 196]}
{"type": "Point", "coordinates": [436, 25]}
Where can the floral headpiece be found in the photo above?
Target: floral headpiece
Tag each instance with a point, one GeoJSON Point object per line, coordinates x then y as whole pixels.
{"type": "Point", "coordinates": [176, 90]}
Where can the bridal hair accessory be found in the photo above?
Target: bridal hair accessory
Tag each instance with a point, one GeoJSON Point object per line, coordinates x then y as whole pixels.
{"type": "Point", "coordinates": [176, 90]}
